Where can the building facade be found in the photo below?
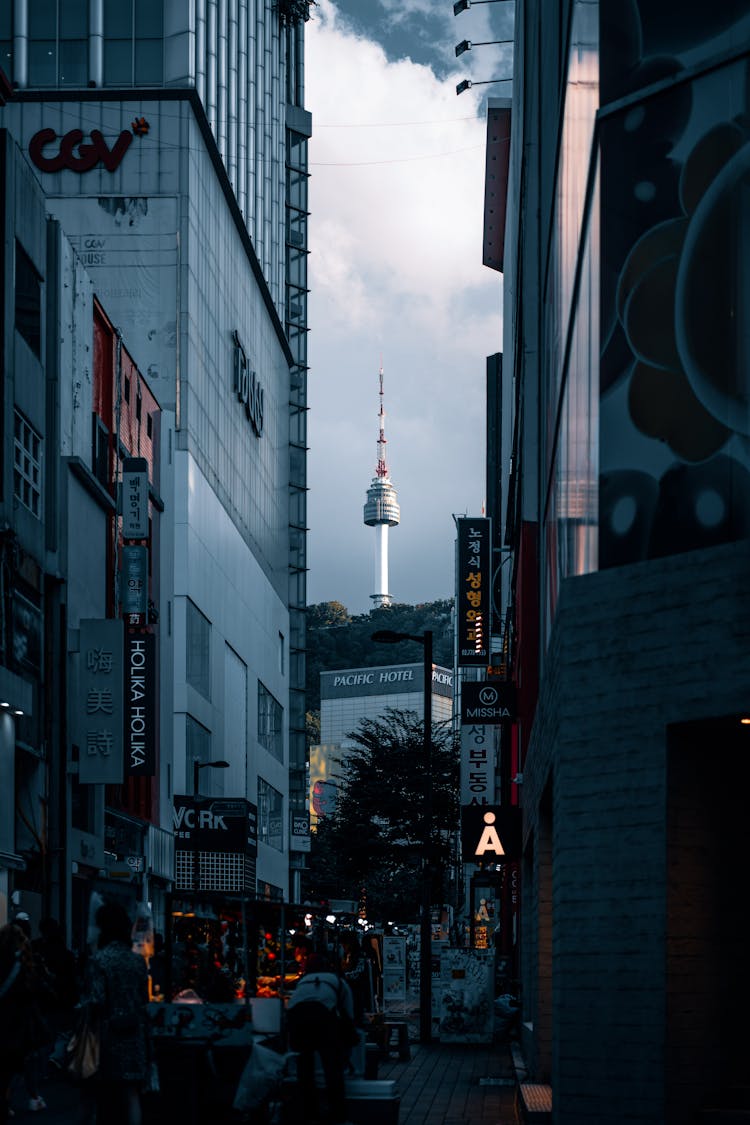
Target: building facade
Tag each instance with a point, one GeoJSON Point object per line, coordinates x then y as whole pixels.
{"type": "Point", "coordinates": [349, 695]}
{"type": "Point", "coordinates": [627, 510]}
{"type": "Point", "coordinates": [72, 396]}
{"type": "Point", "coordinates": [170, 141]}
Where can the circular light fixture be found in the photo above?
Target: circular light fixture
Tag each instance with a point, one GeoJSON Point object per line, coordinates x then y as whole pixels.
{"type": "Point", "coordinates": [745, 722]}
{"type": "Point", "coordinates": [18, 712]}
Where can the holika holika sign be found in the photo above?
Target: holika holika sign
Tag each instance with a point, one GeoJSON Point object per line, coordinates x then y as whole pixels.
{"type": "Point", "coordinates": [140, 705]}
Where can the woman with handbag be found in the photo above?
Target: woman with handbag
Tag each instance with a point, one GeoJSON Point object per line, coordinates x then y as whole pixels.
{"type": "Point", "coordinates": [116, 996]}
{"type": "Point", "coordinates": [22, 1029]}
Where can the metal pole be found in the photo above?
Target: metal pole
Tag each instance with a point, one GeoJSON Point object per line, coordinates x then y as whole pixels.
{"type": "Point", "coordinates": [425, 974]}
{"type": "Point", "coordinates": [196, 775]}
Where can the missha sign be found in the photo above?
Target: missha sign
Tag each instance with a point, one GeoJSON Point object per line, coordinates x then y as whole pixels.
{"type": "Point", "coordinates": [392, 679]}
{"type": "Point", "coordinates": [485, 703]}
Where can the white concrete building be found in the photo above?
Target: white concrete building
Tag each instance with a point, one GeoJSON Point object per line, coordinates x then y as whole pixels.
{"type": "Point", "coordinates": [170, 141]}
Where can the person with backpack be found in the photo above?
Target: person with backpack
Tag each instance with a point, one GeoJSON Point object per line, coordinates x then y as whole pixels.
{"type": "Point", "coordinates": [320, 1020]}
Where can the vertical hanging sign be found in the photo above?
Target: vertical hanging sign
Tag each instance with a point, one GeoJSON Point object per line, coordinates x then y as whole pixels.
{"type": "Point", "coordinates": [134, 584]}
{"type": "Point", "coordinates": [473, 590]}
{"type": "Point", "coordinates": [100, 702]}
{"type": "Point", "coordinates": [135, 498]}
{"type": "Point", "coordinates": [479, 751]}
{"type": "Point", "coordinates": [140, 705]}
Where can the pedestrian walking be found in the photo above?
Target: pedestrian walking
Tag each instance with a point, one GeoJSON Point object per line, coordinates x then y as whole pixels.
{"type": "Point", "coordinates": [116, 991]}
{"type": "Point", "coordinates": [318, 1012]}
{"type": "Point", "coordinates": [22, 1028]}
{"type": "Point", "coordinates": [355, 969]}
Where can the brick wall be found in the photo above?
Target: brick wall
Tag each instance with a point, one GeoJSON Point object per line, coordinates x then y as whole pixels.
{"type": "Point", "coordinates": [633, 650]}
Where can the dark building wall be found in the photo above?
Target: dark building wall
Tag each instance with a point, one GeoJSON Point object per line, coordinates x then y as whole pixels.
{"type": "Point", "coordinates": [633, 651]}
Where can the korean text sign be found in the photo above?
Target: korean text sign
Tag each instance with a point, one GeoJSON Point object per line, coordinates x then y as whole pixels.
{"type": "Point", "coordinates": [100, 702]}
{"type": "Point", "coordinates": [135, 498]}
{"type": "Point", "coordinates": [473, 591]}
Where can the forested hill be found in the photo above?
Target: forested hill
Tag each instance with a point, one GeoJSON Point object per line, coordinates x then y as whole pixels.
{"type": "Point", "coordinates": [337, 640]}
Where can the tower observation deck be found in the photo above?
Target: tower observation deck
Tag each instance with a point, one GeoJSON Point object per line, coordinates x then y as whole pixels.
{"type": "Point", "coordinates": [381, 512]}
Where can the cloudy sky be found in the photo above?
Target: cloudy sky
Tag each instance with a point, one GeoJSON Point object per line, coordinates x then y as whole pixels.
{"type": "Point", "coordinates": [396, 197]}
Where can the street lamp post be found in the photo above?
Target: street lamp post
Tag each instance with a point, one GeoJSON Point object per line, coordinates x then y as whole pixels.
{"type": "Point", "coordinates": [389, 637]}
{"type": "Point", "coordinates": [198, 765]}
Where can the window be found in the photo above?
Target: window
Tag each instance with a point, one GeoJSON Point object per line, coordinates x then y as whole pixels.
{"type": "Point", "coordinates": [198, 658]}
{"type": "Point", "coordinates": [58, 42]}
{"type": "Point", "coordinates": [270, 716]}
{"type": "Point", "coordinates": [6, 38]}
{"type": "Point", "coordinates": [270, 815]}
{"type": "Point", "coordinates": [28, 301]}
{"type": "Point", "coordinates": [27, 465]}
{"type": "Point", "coordinates": [198, 745]}
{"type": "Point", "coordinates": [133, 42]}
{"type": "Point", "coordinates": [100, 451]}
{"type": "Point", "coordinates": [235, 708]}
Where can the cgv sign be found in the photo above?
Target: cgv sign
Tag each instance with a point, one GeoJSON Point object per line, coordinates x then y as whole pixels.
{"type": "Point", "coordinates": [78, 155]}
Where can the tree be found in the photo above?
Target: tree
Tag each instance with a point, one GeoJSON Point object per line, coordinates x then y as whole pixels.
{"type": "Point", "coordinates": [373, 843]}
{"type": "Point", "coordinates": [336, 640]}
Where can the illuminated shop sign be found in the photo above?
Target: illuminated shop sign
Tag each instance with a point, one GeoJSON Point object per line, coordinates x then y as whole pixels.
{"type": "Point", "coordinates": [491, 833]}
{"type": "Point", "coordinates": [247, 388]}
{"type": "Point", "coordinates": [140, 705]}
{"type": "Point", "coordinates": [473, 587]}
{"type": "Point", "coordinates": [77, 155]}
{"type": "Point", "coordinates": [485, 703]}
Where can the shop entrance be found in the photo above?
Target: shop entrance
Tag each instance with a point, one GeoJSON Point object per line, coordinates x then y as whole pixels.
{"type": "Point", "coordinates": [708, 970]}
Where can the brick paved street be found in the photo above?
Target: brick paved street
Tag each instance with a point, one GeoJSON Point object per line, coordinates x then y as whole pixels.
{"type": "Point", "coordinates": [446, 1084]}
{"type": "Point", "coordinates": [440, 1085]}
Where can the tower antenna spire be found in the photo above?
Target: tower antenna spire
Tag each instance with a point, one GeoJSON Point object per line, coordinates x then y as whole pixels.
{"type": "Point", "coordinates": [381, 510]}
{"type": "Point", "coordinates": [381, 469]}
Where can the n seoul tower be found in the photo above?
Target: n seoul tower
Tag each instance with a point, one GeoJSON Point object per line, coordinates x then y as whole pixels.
{"type": "Point", "coordinates": [381, 512]}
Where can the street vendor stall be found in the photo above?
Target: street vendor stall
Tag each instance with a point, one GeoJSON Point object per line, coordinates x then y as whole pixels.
{"type": "Point", "coordinates": [227, 966]}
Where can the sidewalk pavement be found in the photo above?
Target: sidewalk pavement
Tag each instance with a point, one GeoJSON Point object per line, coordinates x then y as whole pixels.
{"type": "Point", "coordinates": [441, 1084]}
{"type": "Point", "coordinates": [455, 1084]}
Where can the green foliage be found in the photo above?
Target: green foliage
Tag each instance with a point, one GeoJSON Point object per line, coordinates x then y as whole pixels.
{"type": "Point", "coordinates": [312, 727]}
{"type": "Point", "coordinates": [336, 640]}
{"type": "Point", "coordinates": [373, 843]}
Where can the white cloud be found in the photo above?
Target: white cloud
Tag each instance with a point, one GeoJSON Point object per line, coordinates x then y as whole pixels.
{"type": "Point", "coordinates": [395, 270]}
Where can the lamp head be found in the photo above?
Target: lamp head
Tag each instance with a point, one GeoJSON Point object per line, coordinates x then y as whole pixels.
{"type": "Point", "coordinates": [465, 85]}
{"type": "Point", "coordinates": [464, 45]}
{"type": "Point", "coordinates": [461, 6]}
{"type": "Point", "coordinates": [388, 637]}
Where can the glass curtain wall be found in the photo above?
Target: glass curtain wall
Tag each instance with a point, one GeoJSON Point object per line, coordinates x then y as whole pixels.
{"type": "Point", "coordinates": [571, 335]}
